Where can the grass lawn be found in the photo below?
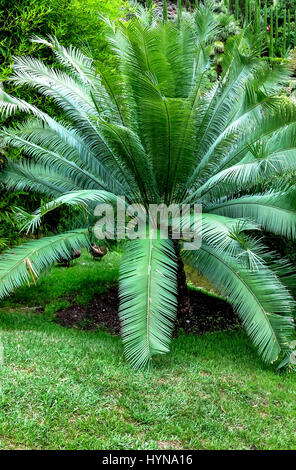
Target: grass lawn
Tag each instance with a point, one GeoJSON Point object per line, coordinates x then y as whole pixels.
{"type": "Point", "coordinates": [70, 389]}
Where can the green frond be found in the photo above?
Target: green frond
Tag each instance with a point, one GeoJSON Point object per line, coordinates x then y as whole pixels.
{"type": "Point", "coordinates": [207, 27]}
{"type": "Point", "coordinates": [72, 58]}
{"type": "Point", "coordinates": [132, 160]}
{"type": "Point", "coordinates": [9, 105]}
{"type": "Point", "coordinates": [275, 212]}
{"type": "Point", "coordinates": [262, 126]}
{"type": "Point", "coordinates": [239, 124]}
{"type": "Point", "coordinates": [260, 299]}
{"type": "Point", "coordinates": [147, 289]}
{"type": "Point", "coordinates": [226, 101]}
{"type": "Point", "coordinates": [267, 159]}
{"type": "Point", "coordinates": [228, 235]}
{"type": "Point", "coordinates": [61, 138]}
{"type": "Point", "coordinates": [23, 264]}
{"type": "Point", "coordinates": [231, 237]}
{"type": "Point", "coordinates": [82, 68]}
{"type": "Point", "coordinates": [72, 96]}
{"type": "Point", "coordinates": [35, 147]}
{"type": "Point", "coordinates": [27, 176]}
{"type": "Point", "coordinates": [82, 198]}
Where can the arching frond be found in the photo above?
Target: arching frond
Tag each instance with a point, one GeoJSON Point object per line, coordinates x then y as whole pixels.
{"type": "Point", "coordinates": [147, 289]}
{"type": "Point", "coordinates": [274, 157]}
{"type": "Point", "coordinates": [132, 159]}
{"type": "Point", "coordinates": [275, 212]}
{"type": "Point", "coordinates": [262, 126]}
{"type": "Point", "coordinates": [23, 264]}
{"type": "Point", "coordinates": [66, 91]}
{"type": "Point", "coordinates": [82, 198]}
{"type": "Point", "coordinates": [27, 176]}
{"type": "Point", "coordinates": [10, 104]}
{"type": "Point", "coordinates": [262, 302]}
{"type": "Point", "coordinates": [65, 140]}
{"type": "Point", "coordinates": [30, 142]}
{"type": "Point", "coordinates": [82, 69]}
{"type": "Point", "coordinates": [207, 26]}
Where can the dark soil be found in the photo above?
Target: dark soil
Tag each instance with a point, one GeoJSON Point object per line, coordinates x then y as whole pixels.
{"type": "Point", "coordinates": [208, 314]}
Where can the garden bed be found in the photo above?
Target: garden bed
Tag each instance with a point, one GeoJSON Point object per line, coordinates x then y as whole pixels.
{"type": "Point", "coordinates": [210, 313]}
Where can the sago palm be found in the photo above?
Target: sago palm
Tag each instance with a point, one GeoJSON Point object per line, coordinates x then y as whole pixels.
{"type": "Point", "coordinates": [156, 131]}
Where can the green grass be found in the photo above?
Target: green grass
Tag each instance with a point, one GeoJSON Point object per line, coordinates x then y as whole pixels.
{"type": "Point", "coordinates": [59, 287]}
{"type": "Point", "coordinates": [71, 389]}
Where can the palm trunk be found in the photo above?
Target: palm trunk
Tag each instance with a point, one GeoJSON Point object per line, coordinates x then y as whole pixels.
{"type": "Point", "coordinates": [184, 307]}
{"type": "Point", "coordinates": [219, 71]}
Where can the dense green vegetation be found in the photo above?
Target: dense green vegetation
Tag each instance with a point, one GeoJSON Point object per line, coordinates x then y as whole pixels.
{"type": "Point", "coordinates": [73, 22]}
{"type": "Point", "coordinates": [275, 23]}
{"type": "Point", "coordinates": [71, 389]}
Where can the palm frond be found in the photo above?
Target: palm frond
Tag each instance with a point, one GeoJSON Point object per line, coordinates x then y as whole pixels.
{"type": "Point", "coordinates": [148, 285]}
{"type": "Point", "coordinates": [37, 148]}
{"type": "Point", "coordinates": [23, 264]}
{"type": "Point", "coordinates": [27, 176]}
{"type": "Point", "coordinates": [132, 159]}
{"type": "Point", "coordinates": [206, 24]}
{"type": "Point", "coordinates": [72, 96]}
{"type": "Point", "coordinates": [267, 159]}
{"type": "Point", "coordinates": [260, 299]}
{"type": "Point", "coordinates": [80, 198]}
{"type": "Point", "coordinates": [275, 212]}
{"type": "Point", "coordinates": [82, 68]}
{"type": "Point", "coordinates": [262, 126]}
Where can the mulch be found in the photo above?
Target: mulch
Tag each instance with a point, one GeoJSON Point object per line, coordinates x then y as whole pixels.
{"type": "Point", "coordinates": [209, 314]}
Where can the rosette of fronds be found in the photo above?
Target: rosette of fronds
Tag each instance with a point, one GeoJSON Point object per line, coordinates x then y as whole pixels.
{"type": "Point", "coordinates": [156, 131]}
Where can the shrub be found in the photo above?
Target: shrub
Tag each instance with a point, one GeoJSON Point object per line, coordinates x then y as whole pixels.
{"type": "Point", "coordinates": [72, 21]}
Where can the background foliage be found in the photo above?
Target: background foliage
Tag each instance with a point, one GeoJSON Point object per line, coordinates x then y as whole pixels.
{"type": "Point", "coordinates": [72, 22]}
